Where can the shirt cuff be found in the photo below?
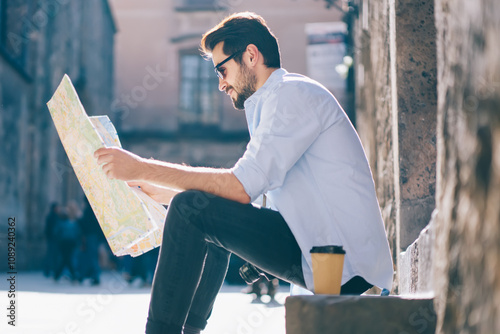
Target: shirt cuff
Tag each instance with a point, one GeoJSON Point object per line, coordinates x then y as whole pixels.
{"type": "Point", "coordinates": [252, 179]}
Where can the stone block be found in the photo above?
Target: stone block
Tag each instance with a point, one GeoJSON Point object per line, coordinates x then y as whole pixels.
{"type": "Point", "coordinates": [320, 314]}
{"type": "Point", "coordinates": [415, 269]}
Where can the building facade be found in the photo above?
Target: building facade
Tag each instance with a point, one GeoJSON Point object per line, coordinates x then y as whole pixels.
{"type": "Point", "coordinates": [40, 41]}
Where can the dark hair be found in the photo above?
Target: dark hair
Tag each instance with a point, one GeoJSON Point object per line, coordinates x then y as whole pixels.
{"type": "Point", "coordinates": [239, 30]}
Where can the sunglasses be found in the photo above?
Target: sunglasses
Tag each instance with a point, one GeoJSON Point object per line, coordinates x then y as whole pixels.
{"type": "Point", "coordinates": [217, 67]}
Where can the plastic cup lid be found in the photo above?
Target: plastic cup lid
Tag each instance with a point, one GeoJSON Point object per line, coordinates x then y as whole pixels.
{"type": "Point", "coordinates": [328, 249]}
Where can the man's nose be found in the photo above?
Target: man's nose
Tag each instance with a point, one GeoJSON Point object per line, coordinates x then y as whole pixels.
{"type": "Point", "coordinates": [222, 85]}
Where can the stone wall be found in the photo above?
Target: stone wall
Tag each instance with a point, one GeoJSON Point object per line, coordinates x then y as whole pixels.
{"type": "Point", "coordinates": [415, 111]}
{"type": "Point", "coordinates": [39, 42]}
{"type": "Point", "coordinates": [374, 105]}
{"type": "Point", "coordinates": [396, 112]}
{"type": "Point", "coordinates": [467, 261]}
{"type": "Point", "coordinates": [443, 82]}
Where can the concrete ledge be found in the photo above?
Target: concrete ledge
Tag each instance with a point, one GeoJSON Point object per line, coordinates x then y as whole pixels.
{"type": "Point", "coordinates": [322, 314]}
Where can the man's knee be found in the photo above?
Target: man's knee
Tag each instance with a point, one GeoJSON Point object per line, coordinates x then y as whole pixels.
{"type": "Point", "coordinates": [193, 198]}
{"type": "Point", "coordinates": [190, 203]}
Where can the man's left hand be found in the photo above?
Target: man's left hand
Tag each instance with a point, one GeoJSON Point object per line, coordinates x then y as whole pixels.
{"type": "Point", "coordinates": [120, 164]}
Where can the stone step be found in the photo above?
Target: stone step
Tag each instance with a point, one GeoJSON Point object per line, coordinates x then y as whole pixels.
{"type": "Point", "coordinates": [325, 314]}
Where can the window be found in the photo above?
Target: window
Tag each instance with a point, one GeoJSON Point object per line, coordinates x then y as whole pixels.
{"type": "Point", "coordinates": [200, 100]}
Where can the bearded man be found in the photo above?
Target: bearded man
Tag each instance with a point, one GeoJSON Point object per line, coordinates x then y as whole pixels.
{"type": "Point", "coordinates": [304, 155]}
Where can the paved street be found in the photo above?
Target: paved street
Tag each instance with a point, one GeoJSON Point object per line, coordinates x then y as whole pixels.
{"type": "Point", "coordinates": [46, 307]}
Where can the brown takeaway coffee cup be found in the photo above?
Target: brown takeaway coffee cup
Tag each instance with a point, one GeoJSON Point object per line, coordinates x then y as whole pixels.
{"type": "Point", "coordinates": [327, 265]}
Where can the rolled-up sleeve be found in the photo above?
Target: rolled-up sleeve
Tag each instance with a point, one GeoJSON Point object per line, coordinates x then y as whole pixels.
{"type": "Point", "coordinates": [285, 131]}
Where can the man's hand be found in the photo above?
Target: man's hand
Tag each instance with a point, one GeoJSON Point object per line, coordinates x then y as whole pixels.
{"type": "Point", "coordinates": [120, 164]}
{"type": "Point", "coordinates": [160, 194]}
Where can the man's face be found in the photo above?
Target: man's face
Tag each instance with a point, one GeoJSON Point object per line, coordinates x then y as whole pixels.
{"type": "Point", "coordinates": [238, 80]}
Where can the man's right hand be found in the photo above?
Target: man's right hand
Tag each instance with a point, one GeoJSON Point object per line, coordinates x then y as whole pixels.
{"type": "Point", "coordinates": [160, 194]}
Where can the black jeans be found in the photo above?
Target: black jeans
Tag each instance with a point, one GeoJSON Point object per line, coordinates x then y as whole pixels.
{"type": "Point", "coordinates": [201, 231]}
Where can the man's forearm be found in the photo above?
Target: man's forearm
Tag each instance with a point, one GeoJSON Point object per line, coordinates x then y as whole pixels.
{"type": "Point", "coordinates": [220, 182]}
{"type": "Point", "coordinates": [120, 164]}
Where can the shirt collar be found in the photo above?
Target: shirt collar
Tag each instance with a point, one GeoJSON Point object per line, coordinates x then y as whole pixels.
{"type": "Point", "coordinates": [273, 79]}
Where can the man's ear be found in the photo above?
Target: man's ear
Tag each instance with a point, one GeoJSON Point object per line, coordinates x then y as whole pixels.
{"type": "Point", "coordinates": [254, 55]}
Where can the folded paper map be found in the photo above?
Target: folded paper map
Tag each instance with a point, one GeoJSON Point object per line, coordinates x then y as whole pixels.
{"type": "Point", "coordinates": [131, 220]}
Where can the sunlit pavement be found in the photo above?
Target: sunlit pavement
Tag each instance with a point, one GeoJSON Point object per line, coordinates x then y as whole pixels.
{"type": "Point", "coordinates": [46, 307]}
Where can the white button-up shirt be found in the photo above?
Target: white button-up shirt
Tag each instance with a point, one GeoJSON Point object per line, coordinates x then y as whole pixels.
{"type": "Point", "coordinates": [306, 156]}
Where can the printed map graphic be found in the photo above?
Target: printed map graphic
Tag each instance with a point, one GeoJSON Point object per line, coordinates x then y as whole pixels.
{"type": "Point", "coordinates": [131, 220]}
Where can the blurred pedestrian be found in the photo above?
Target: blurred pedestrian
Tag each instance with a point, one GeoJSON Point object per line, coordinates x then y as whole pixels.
{"type": "Point", "coordinates": [51, 256]}
{"type": "Point", "coordinates": [91, 239]}
{"type": "Point", "coordinates": [67, 233]}
{"type": "Point", "coordinates": [140, 268]}
{"type": "Point", "coordinates": [263, 286]}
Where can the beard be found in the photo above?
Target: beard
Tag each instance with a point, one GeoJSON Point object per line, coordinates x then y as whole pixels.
{"type": "Point", "coordinates": [245, 88]}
